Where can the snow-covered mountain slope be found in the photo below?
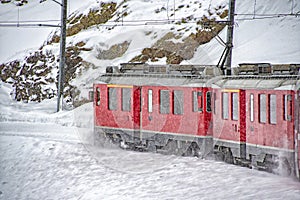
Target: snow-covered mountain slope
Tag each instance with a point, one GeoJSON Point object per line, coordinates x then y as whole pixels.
{"type": "Point", "coordinates": [255, 40]}
{"type": "Point", "coordinates": [102, 33]}
{"type": "Point", "coordinates": [262, 33]}
{"type": "Point", "coordinates": [138, 14]}
{"type": "Point", "coordinates": [17, 41]}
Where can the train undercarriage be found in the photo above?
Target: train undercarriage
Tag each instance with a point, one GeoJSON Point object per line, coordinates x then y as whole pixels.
{"type": "Point", "coordinates": [158, 143]}
{"type": "Point", "coordinates": [273, 161]}
{"type": "Point", "coordinates": [202, 147]}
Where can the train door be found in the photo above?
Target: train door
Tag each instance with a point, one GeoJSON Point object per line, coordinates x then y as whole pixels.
{"type": "Point", "coordinates": [137, 112]}
{"type": "Point", "coordinates": [229, 126]}
{"type": "Point", "coordinates": [242, 125]}
{"type": "Point", "coordinates": [297, 134]}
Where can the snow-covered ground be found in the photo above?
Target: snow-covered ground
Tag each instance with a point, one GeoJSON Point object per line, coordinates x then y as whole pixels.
{"type": "Point", "coordinates": [48, 155]}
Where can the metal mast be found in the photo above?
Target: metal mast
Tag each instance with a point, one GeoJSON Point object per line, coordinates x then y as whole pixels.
{"type": "Point", "coordinates": [62, 52]}
{"type": "Point", "coordinates": [230, 35]}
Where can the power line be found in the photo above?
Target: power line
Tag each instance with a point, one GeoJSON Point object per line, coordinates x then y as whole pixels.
{"type": "Point", "coordinates": [147, 22]}
{"type": "Point", "coordinates": [27, 25]}
{"type": "Point", "coordinates": [144, 22]}
{"type": "Point", "coordinates": [266, 17]}
{"type": "Point", "coordinates": [29, 21]}
{"type": "Point", "coordinates": [270, 14]}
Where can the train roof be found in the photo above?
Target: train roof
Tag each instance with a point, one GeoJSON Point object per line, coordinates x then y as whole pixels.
{"type": "Point", "coordinates": [250, 75]}
{"type": "Point", "coordinates": [158, 80]}
{"type": "Point", "coordinates": [164, 75]}
{"type": "Point", "coordinates": [258, 82]}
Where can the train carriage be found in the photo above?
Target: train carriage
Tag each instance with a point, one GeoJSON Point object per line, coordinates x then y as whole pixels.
{"type": "Point", "coordinates": [163, 112]}
{"type": "Point", "coordinates": [254, 121]}
{"type": "Point", "coordinates": [250, 119]}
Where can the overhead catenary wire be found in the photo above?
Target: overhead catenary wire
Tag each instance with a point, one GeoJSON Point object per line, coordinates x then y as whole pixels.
{"type": "Point", "coordinates": [143, 22]}
{"type": "Point", "coordinates": [269, 14]}
{"type": "Point", "coordinates": [27, 25]}
{"type": "Point", "coordinates": [29, 21]}
{"type": "Point", "coordinates": [261, 17]}
{"type": "Point", "coordinates": [146, 22]}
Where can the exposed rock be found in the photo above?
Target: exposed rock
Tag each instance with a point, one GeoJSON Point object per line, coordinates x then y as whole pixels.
{"type": "Point", "coordinates": [94, 17]}
{"type": "Point", "coordinates": [177, 49]}
{"type": "Point", "coordinates": [31, 79]}
{"type": "Point", "coordinates": [79, 22]}
{"type": "Point", "coordinates": [114, 51]}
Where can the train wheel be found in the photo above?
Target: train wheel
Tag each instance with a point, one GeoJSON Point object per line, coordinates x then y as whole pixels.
{"type": "Point", "coordinates": [171, 147]}
{"type": "Point", "coordinates": [277, 165]}
{"type": "Point", "coordinates": [219, 156]}
{"type": "Point", "coordinates": [228, 158]}
{"type": "Point", "coordinates": [192, 150]}
{"type": "Point", "coordinates": [269, 164]}
{"type": "Point", "coordinates": [106, 140]}
{"type": "Point", "coordinates": [287, 170]}
{"type": "Point", "coordinates": [151, 147]}
{"type": "Point", "coordinates": [283, 167]}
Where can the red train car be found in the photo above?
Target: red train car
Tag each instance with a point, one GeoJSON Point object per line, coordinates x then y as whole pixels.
{"type": "Point", "coordinates": [254, 121]}
{"type": "Point", "coordinates": [167, 112]}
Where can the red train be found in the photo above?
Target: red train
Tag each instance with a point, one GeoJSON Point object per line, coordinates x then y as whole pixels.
{"type": "Point", "coordinates": [250, 119]}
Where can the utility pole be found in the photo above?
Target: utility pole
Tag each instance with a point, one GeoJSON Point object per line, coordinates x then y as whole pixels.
{"type": "Point", "coordinates": [62, 51]}
{"type": "Point", "coordinates": [230, 35]}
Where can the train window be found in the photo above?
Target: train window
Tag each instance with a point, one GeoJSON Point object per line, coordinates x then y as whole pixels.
{"type": "Point", "coordinates": [251, 107]}
{"type": "Point", "coordinates": [164, 102]}
{"type": "Point", "coordinates": [262, 108]}
{"type": "Point", "coordinates": [287, 107]}
{"type": "Point", "coordinates": [178, 102]}
{"type": "Point", "coordinates": [197, 101]}
{"type": "Point", "coordinates": [150, 101]}
{"type": "Point", "coordinates": [272, 108]}
{"type": "Point", "coordinates": [225, 108]}
{"type": "Point", "coordinates": [112, 99]}
{"type": "Point", "coordinates": [208, 101]}
{"type": "Point", "coordinates": [215, 98]}
{"type": "Point", "coordinates": [235, 106]}
{"type": "Point", "coordinates": [126, 99]}
{"type": "Point", "coordinates": [98, 96]}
